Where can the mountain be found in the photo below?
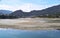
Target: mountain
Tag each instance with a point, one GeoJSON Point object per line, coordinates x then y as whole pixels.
{"type": "Point", "coordinates": [48, 11]}
{"type": "Point", "coordinates": [5, 12]}
{"type": "Point", "coordinates": [20, 14]}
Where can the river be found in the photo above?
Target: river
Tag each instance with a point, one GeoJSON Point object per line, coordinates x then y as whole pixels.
{"type": "Point", "coordinates": [13, 33]}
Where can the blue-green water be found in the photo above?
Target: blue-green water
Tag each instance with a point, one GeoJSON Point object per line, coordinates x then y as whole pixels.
{"type": "Point", "coordinates": [10, 33]}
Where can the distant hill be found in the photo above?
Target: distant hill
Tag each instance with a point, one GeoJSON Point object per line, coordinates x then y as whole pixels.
{"type": "Point", "coordinates": [20, 13]}
{"type": "Point", "coordinates": [5, 12]}
{"type": "Point", "coordinates": [51, 11]}
{"type": "Point", "coordinates": [48, 11]}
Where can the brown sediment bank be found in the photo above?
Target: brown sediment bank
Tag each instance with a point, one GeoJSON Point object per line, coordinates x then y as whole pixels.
{"type": "Point", "coordinates": [30, 23]}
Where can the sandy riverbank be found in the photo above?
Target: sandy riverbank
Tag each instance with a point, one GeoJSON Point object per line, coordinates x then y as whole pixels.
{"type": "Point", "coordinates": [30, 23]}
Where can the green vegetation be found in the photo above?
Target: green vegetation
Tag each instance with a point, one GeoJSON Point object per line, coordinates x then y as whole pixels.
{"type": "Point", "coordinates": [50, 16]}
{"type": "Point", "coordinates": [7, 17]}
{"type": "Point", "coordinates": [56, 15]}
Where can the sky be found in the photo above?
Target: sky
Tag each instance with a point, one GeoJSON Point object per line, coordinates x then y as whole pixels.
{"type": "Point", "coordinates": [27, 5]}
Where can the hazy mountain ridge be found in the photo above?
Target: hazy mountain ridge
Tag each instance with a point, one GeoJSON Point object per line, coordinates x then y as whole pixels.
{"type": "Point", "coordinates": [50, 11]}
{"type": "Point", "coordinates": [5, 12]}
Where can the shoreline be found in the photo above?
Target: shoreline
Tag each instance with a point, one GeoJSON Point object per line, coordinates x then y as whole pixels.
{"type": "Point", "coordinates": [29, 24]}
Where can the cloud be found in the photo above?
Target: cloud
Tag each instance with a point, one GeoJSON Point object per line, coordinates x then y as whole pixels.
{"type": "Point", "coordinates": [25, 7]}
{"type": "Point", "coordinates": [6, 7]}
{"type": "Point", "coordinates": [30, 6]}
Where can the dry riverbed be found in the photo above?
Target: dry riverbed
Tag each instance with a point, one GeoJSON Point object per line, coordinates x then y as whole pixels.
{"type": "Point", "coordinates": [31, 23]}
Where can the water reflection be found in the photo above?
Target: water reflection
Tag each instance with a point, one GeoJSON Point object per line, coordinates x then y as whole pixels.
{"type": "Point", "coordinates": [11, 33]}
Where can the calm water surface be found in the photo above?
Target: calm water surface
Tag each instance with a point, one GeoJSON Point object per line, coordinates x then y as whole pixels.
{"type": "Point", "coordinates": [11, 33]}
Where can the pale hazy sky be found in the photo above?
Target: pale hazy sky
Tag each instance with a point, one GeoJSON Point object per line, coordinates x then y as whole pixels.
{"type": "Point", "coordinates": [27, 5]}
